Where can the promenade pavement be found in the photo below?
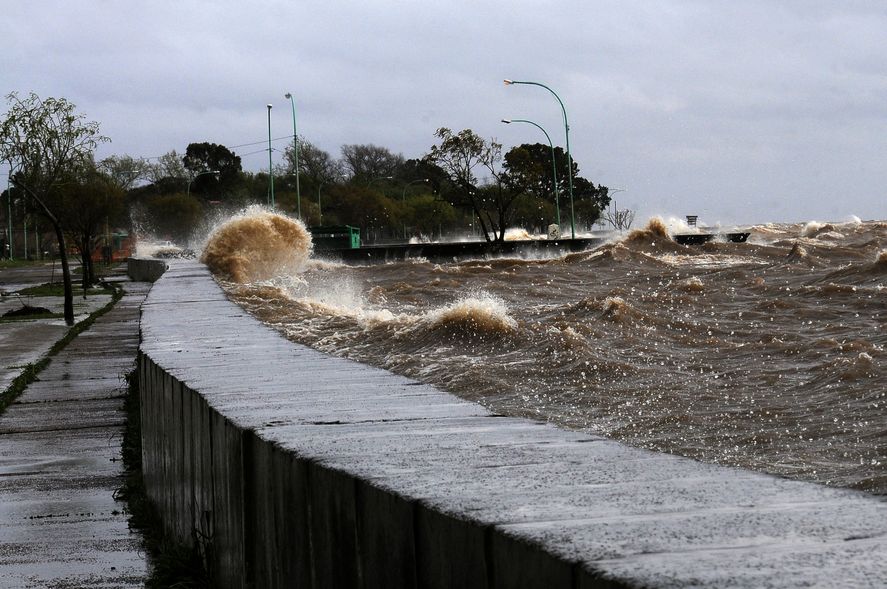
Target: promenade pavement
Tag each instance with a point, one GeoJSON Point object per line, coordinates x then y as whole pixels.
{"type": "Point", "coordinates": [60, 464]}
{"type": "Point", "coordinates": [25, 341]}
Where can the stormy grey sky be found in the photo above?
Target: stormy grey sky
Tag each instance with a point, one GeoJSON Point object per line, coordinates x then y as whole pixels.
{"type": "Point", "coordinates": [739, 112]}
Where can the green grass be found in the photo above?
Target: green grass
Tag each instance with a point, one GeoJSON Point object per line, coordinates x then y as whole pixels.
{"type": "Point", "coordinates": [32, 317]}
{"type": "Point", "coordinates": [172, 565]}
{"type": "Point", "coordinates": [30, 371]}
{"type": "Point", "coordinates": [21, 263]}
{"type": "Point", "coordinates": [57, 289]}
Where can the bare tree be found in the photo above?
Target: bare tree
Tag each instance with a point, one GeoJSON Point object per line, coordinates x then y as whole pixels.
{"type": "Point", "coordinates": [44, 141]}
{"type": "Point", "coordinates": [620, 220]}
{"type": "Point", "coordinates": [124, 171]}
{"type": "Point", "coordinates": [169, 166]}
{"type": "Point", "coordinates": [314, 163]}
{"type": "Point", "coordinates": [366, 162]}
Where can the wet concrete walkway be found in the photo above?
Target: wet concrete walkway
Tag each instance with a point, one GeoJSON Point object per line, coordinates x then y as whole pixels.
{"type": "Point", "coordinates": [60, 525]}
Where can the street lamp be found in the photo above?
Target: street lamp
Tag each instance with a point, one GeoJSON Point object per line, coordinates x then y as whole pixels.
{"type": "Point", "coordinates": [404, 193]}
{"type": "Point", "coordinates": [569, 158]}
{"type": "Point", "coordinates": [557, 202]}
{"type": "Point", "coordinates": [403, 196]}
{"type": "Point", "coordinates": [319, 210]}
{"type": "Point", "coordinates": [270, 164]}
{"type": "Point", "coordinates": [213, 172]}
{"type": "Point", "coordinates": [9, 214]}
{"type": "Point", "coordinates": [296, 152]}
{"type": "Point", "coordinates": [615, 208]}
{"type": "Point", "coordinates": [379, 178]}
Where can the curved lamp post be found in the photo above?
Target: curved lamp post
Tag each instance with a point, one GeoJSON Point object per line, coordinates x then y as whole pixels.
{"type": "Point", "coordinates": [557, 202]}
{"type": "Point", "coordinates": [296, 152]}
{"type": "Point", "coordinates": [370, 183]}
{"type": "Point", "coordinates": [403, 196]}
{"type": "Point", "coordinates": [270, 164]}
{"type": "Point", "coordinates": [213, 172]}
{"type": "Point", "coordinates": [569, 158]}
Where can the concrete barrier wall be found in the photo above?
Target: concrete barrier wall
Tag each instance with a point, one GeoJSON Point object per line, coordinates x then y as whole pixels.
{"type": "Point", "coordinates": [291, 468]}
{"type": "Point", "coordinates": [145, 269]}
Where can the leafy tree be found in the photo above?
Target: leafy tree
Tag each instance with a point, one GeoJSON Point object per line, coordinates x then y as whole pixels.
{"type": "Point", "coordinates": [413, 170]}
{"type": "Point", "coordinates": [45, 141]}
{"type": "Point", "coordinates": [174, 215]}
{"type": "Point", "coordinates": [365, 162]}
{"type": "Point", "coordinates": [425, 213]}
{"type": "Point", "coordinates": [201, 158]}
{"type": "Point", "coordinates": [529, 167]}
{"type": "Point", "coordinates": [460, 155]}
{"type": "Point", "coordinates": [589, 201]}
{"type": "Point", "coordinates": [88, 202]}
{"type": "Point", "coordinates": [533, 213]}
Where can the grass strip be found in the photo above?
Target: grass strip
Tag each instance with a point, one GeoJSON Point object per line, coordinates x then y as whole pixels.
{"type": "Point", "coordinates": [172, 564]}
{"type": "Point", "coordinates": [57, 289]}
{"type": "Point", "coordinates": [30, 371]}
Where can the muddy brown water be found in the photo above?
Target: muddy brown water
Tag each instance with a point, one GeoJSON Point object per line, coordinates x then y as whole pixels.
{"type": "Point", "coordinates": [767, 355]}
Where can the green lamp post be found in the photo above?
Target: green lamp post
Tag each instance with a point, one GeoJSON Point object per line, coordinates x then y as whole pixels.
{"type": "Point", "coordinates": [569, 158]}
{"type": "Point", "coordinates": [296, 154]}
{"type": "Point", "coordinates": [270, 164]}
{"type": "Point", "coordinates": [557, 202]}
{"type": "Point", "coordinates": [403, 196]}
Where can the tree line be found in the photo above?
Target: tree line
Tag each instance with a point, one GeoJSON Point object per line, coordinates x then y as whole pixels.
{"type": "Point", "coordinates": [464, 185]}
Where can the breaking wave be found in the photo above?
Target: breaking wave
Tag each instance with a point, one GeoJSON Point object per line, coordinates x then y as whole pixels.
{"type": "Point", "coordinates": [478, 316]}
{"type": "Point", "coordinates": [257, 245]}
{"type": "Point", "coordinates": [656, 229]}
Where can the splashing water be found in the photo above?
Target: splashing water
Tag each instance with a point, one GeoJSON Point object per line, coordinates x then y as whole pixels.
{"type": "Point", "coordinates": [257, 245]}
{"type": "Point", "coordinates": [765, 355]}
{"type": "Point", "coordinates": [479, 315]}
{"type": "Point", "coordinates": [656, 229]}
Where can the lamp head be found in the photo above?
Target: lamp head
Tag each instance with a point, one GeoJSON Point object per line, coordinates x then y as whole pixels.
{"type": "Point", "coordinates": [506, 121]}
{"type": "Point", "coordinates": [287, 95]}
{"type": "Point", "coordinates": [508, 82]}
{"type": "Point", "coordinates": [269, 106]}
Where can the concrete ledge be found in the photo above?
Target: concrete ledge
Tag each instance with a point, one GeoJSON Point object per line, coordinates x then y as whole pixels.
{"type": "Point", "coordinates": [145, 269]}
{"type": "Point", "coordinates": [300, 469]}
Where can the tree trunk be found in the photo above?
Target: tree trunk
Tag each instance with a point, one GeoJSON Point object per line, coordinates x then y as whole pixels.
{"type": "Point", "coordinates": [63, 254]}
{"type": "Point", "coordinates": [85, 260]}
{"type": "Point", "coordinates": [66, 272]}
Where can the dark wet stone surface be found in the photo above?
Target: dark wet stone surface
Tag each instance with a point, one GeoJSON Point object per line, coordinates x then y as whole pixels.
{"type": "Point", "coordinates": [60, 525]}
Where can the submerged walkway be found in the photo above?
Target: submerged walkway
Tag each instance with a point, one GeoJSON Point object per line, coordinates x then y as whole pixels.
{"type": "Point", "coordinates": [60, 465]}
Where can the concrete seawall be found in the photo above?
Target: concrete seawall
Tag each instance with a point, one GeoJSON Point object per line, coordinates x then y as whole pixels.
{"type": "Point", "coordinates": [145, 269]}
{"type": "Point", "coordinates": [292, 468]}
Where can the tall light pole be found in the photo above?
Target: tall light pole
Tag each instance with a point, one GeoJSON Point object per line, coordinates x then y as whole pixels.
{"type": "Point", "coordinates": [9, 214]}
{"type": "Point", "coordinates": [403, 196]}
{"type": "Point", "coordinates": [557, 202]}
{"type": "Point", "coordinates": [270, 164]}
{"type": "Point", "coordinates": [615, 208]}
{"type": "Point", "coordinates": [569, 158]}
{"type": "Point", "coordinates": [296, 152]}
{"type": "Point", "coordinates": [319, 210]}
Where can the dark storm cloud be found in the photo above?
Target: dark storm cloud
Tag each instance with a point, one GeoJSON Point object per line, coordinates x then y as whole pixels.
{"type": "Point", "coordinates": [738, 112]}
